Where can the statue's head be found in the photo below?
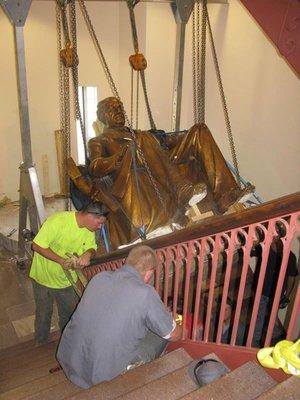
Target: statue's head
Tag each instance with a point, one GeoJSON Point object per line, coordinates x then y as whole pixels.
{"type": "Point", "coordinates": [110, 112]}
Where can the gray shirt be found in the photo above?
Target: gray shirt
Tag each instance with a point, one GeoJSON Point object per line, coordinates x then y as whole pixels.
{"type": "Point", "coordinates": [116, 310]}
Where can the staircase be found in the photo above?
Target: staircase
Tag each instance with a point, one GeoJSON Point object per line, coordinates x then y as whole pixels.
{"type": "Point", "coordinates": [25, 375]}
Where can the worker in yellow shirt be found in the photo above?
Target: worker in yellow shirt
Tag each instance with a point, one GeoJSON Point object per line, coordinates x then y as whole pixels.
{"type": "Point", "coordinates": [63, 233]}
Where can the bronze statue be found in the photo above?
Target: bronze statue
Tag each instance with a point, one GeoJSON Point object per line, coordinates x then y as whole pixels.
{"type": "Point", "coordinates": [152, 187]}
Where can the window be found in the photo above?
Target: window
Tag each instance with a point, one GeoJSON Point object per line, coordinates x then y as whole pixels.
{"type": "Point", "coordinates": [88, 100]}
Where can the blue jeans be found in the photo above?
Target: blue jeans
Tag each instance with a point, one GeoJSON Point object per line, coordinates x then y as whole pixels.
{"type": "Point", "coordinates": [150, 348]}
{"type": "Point", "coordinates": [66, 300]}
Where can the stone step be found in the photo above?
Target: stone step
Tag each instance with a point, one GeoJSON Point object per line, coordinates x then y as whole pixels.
{"type": "Point", "coordinates": [244, 383]}
{"type": "Point", "coordinates": [170, 387]}
{"type": "Point", "coordinates": [28, 358]}
{"type": "Point", "coordinates": [287, 390]}
{"type": "Point", "coordinates": [136, 378]}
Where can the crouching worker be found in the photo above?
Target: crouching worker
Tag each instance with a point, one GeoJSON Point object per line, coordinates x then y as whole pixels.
{"type": "Point", "coordinates": [120, 322]}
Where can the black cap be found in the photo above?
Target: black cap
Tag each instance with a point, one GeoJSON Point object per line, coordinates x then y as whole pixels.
{"type": "Point", "coordinates": [96, 208]}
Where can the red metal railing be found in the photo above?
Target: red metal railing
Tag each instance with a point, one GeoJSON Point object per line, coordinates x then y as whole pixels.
{"type": "Point", "coordinates": [203, 271]}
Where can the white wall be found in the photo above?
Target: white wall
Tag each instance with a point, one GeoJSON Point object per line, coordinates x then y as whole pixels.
{"type": "Point", "coordinates": [42, 78]}
{"type": "Point", "coordinates": [263, 92]}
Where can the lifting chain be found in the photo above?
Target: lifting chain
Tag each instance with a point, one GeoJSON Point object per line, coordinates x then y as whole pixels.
{"type": "Point", "coordinates": [73, 27]}
{"type": "Point", "coordinates": [116, 94]}
{"type": "Point", "coordinates": [138, 61]}
{"type": "Point", "coordinates": [137, 100]}
{"type": "Point", "coordinates": [202, 64]}
{"type": "Point", "coordinates": [198, 65]}
{"type": "Point", "coordinates": [194, 64]}
{"type": "Point", "coordinates": [64, 104]}
{"type": "Point", "coordinates": [131, 98]}
{"type": "Point", "coordinates": [226, 115]}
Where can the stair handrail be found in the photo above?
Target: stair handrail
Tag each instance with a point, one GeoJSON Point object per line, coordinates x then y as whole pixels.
{"type": "Point", "coordinates": [212, 225]}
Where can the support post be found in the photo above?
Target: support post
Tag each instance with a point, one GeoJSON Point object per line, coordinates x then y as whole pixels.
{"type": "Point", "coordinates": [31, 201]}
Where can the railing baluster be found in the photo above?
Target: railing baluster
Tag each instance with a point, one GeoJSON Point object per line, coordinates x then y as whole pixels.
{"type": "Point", "coordinates": [229, 260]}
{"type": "Point", "coordinates": [200, 259]}
{"type": "Point", "coordinates": [287, 240]}
{"type": "Point", "coordinates": [247, 249]}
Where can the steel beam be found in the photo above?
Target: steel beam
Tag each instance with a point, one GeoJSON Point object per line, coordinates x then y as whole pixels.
{"type": "Point", "coordinates": [31, 201]}
{"type": "Point", "coordinates": [182, 10]}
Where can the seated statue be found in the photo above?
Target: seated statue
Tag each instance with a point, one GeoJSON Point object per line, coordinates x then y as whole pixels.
{"type": "Point", "coordinates": [151, 187]}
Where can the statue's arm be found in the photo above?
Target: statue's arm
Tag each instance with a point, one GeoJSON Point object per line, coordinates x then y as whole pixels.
{"type": "Point", "coordinates": [101, 165]}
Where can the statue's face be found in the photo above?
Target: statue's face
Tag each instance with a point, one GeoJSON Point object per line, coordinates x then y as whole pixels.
{"type": "Point", "coordinates": [111, 113]}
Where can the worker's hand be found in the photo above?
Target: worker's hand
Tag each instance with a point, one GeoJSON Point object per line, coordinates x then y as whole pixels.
{"type": "Point", "coordinates": [67, 263]}
{"type": "Point", "coordinates": [84, 260]}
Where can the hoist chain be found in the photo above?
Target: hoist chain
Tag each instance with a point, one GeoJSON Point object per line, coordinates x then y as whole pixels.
{"type": "Point", "coordinates": [116, 94]}
{"type": "Point", "coordinates": [73, 28]}
{"type": "Point", "coordinates": [131, 5]}
{"type": "Point", "coordinates": [64, 103]}
{"type": "Point", "coordinates": [133, 26]}
{"type": "Point", "coordinates": [60, 66]}
{"type": "Point", "coordinates": [198, 41]}
{"type": "Point", "coordinates": [201, 94]}
{"type": "Point", "coordinates": [131, 97]}
{"type": "Point", "coordinates": [137, 99]}
{"type": "Point", "coordinates": [226, 115]}
{"type": "Point", "coordinates": [194, 65]}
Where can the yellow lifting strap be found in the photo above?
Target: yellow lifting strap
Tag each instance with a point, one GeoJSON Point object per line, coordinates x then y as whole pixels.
{"type": "Point", "coordinates": [284, 355]}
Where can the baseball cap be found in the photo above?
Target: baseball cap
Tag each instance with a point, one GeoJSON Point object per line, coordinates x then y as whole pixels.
{"type": "Point", "coordinates": [208, 370]}
{"type": "Point", "coordinates": [96, 208]}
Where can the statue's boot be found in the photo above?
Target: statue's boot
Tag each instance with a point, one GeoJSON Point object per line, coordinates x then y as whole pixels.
{"type": "Point", "coordinates": [234, 196]}
{"type": "Point", "coordinates": [95, 193]}
{"type": "Point", "coordinates": [189, 194]}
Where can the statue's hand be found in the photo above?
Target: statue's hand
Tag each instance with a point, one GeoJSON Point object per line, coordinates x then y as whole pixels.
{"type": "Point", "coordinates": [120, 156]}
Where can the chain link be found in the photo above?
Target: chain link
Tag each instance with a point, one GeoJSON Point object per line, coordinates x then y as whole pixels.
{"type": "Point", "coordinates": [223, 99]}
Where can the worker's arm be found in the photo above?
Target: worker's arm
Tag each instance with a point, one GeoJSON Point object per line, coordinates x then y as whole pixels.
{"type": "Point", "coordinates": [175, 334]}
{"type": "Point", "coordinates": [50, 255]}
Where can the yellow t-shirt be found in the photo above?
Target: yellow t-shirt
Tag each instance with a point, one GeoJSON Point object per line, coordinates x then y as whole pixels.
{"type": "Point", "coordinates": [61, 233]}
